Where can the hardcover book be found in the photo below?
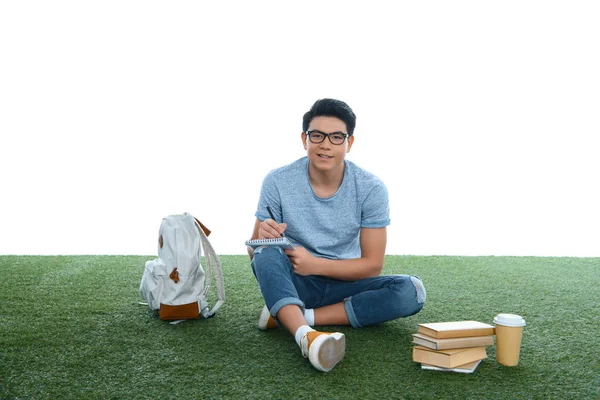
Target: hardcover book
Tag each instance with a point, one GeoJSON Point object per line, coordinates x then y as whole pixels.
{"type": "Point", "coordinates": [452, 343]}
{"type": "Point", "coordinates": [449, 358]}
{"type": "Point", "coordinates": [455, 329]}
{"type": "Point", "coordinates": [465, 369]}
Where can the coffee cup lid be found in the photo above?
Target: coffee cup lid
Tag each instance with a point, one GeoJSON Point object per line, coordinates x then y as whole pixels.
{"type": "Point", "coordinates": [509, 320]}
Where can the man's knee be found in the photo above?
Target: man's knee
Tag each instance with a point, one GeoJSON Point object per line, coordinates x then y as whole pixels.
{"type": "Point", "coordinates": [269, 251]}
{"type": "Point", "coordinates": [411, 295]}
{"type": "Point", "coordinates": [420, 288]}
{"type": "Point", "coordinates": [267, 257]}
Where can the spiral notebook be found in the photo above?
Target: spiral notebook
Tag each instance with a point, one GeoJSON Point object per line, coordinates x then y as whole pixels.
{"type": "Point", "coordinates": [282, 242]}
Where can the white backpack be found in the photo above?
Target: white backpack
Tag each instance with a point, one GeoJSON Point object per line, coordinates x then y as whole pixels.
{"type": "Point", "coordinates": [175, 283]}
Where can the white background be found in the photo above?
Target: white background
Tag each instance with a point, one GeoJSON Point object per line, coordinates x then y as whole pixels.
{"type": "Point", "coordinates": [481, 117]}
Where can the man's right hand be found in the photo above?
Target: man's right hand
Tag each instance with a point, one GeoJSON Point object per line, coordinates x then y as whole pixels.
{"type": "Point", "coordinates": [270, 229]}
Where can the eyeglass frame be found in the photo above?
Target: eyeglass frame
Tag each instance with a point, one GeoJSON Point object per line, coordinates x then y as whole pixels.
{"type": "Point", "coordinates": [328, 135]}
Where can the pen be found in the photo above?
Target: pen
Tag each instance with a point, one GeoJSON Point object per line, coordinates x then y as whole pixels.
{"type": "Point", "coordinates": [273, 217]}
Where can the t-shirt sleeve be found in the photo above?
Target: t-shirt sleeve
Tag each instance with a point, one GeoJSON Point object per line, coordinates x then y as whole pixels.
{"type": "Point", "coordinates": [376, 208]}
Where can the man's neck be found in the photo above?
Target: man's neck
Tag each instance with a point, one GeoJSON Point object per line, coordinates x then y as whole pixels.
{"type": "Point", "coordinates": [326, 183]}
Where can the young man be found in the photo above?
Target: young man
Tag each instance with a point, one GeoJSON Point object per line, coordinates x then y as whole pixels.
{"type": "Point", "coordinates": [335, 214]}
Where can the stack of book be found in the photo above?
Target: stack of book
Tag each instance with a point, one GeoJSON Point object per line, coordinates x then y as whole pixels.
{"type": "Point", "coordinates": [457, 346]}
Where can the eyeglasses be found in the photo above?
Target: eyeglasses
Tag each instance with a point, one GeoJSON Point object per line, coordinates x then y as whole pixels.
{"type": "Point", "coordinates": [317, 137]}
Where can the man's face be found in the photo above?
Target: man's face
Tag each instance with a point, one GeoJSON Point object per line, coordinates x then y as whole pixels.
{"type": "Point", "coordinates": [326, 155]}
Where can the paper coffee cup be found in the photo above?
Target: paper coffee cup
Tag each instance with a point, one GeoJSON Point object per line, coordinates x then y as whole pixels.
{"type": "Point", "coordinates": [509, 331]}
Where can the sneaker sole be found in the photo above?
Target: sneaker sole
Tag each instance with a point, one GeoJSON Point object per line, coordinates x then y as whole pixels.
{"type": "Point", "coordinates": [263, 321]}
{"type": "Point", "coordinates": [327, 350]}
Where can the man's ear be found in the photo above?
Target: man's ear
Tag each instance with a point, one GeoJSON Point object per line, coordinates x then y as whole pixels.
{"type": "Point", "coordinates": [304, 140]}
{"type": "Point", "coordinates": [350, 141]}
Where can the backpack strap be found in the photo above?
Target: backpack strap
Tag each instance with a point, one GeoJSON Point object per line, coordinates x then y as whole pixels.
{"type": "Point", "coordinates": [204, 229]}
{"type": "Point", "coordinates": [213, 267]}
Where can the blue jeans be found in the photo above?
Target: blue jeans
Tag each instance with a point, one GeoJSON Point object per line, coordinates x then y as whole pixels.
{"type": "Point", "coordinates": [367, 301]}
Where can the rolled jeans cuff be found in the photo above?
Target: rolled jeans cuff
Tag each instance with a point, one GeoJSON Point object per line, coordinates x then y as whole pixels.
{"type": "Point", "coordinates": [285, 302]}
{"type": "Point", "coordinates": [350, 313]}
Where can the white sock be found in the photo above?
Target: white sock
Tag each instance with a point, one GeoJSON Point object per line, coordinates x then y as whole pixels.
{"type": "Point", "coordinates": [309, 315]}
{"type": "Point", "coordinates": [301, 332]}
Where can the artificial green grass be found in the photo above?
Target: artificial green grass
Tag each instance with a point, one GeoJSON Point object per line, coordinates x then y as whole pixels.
{"type": "Point", "coordinates": [71, 328]}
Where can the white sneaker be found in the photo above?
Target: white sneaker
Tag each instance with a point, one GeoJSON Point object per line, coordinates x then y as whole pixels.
{"type": "Point", "coordinates": [266, 320]}
{"type": "Point", "coordinates": [323, 349]}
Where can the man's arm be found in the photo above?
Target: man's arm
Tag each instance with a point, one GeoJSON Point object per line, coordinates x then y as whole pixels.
{"type": "Point", "coordinates": [254, 236]}
{"type": "Point", "coordinates": [370, 264]}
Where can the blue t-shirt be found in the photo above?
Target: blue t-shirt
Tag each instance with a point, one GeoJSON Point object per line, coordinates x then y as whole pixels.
{"type": "Point", "coordinates": [326, 227]}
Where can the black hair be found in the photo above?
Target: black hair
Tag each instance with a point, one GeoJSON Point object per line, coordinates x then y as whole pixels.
{"type": "Point", "coordinates": [331, 108]}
